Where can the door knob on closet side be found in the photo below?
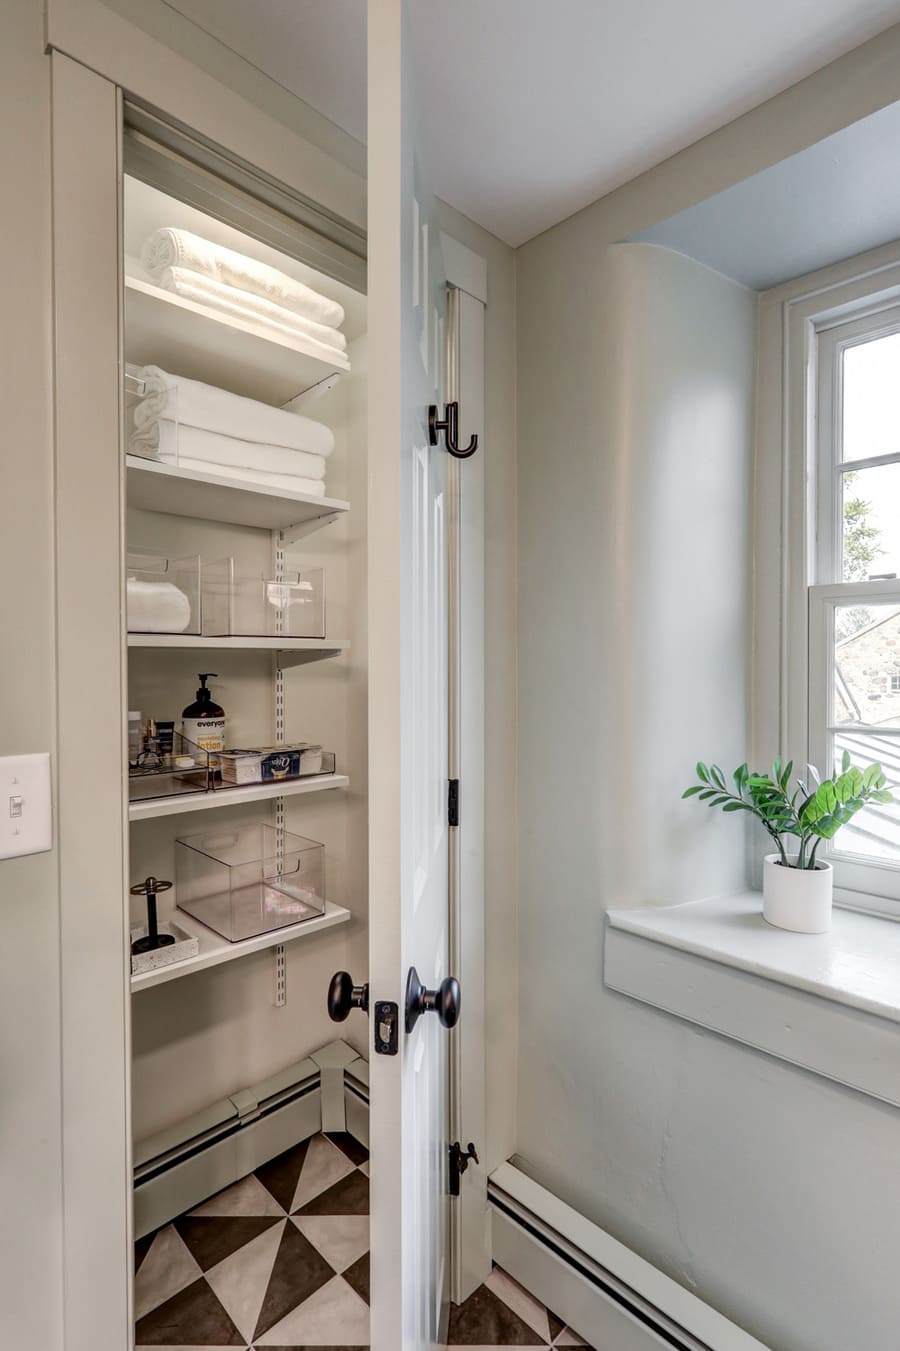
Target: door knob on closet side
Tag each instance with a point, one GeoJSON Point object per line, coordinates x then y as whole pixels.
{"type": "Point", "coordinates": [444, 1001]}
{"type": "Point", "coordinates": [343, 996]}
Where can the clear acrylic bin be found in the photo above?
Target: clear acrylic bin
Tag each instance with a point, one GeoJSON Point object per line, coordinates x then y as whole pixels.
{"type": "Point", "coordinates": [258, 607]}
{"type": "Point", "coordinates": [250, 879]}
{"type": "Point", "coordinates": [163, 594]}
{"type": "Point", "coordinates": [155, 774]}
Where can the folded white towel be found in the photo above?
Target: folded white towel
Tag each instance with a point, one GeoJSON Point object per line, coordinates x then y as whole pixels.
{"type": "Point", "coordinates": [156, 607]}
{"type": "Point", "coordinates": [288, 483]}
{"type": "Point", "coordinates": [193, 404]}
{"type": "Point", "coordinates": [328, 344]}
{"type": "Point", "coordinates": [180, 248]}
{"type": "Point", "coordinates": [173, 444]}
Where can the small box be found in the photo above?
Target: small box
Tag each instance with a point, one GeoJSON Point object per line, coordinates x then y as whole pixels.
{"type": "Point", "coordinates": [185, 945]}
{"type": "Point", "coordinates": [261, 607]}
{"type": "Point", "coordinates": [250, 879]}
{"type": "Point", "coordinates": [237, 767]}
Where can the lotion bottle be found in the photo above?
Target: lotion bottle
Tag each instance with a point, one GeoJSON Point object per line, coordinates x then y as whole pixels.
{"type": "Point", "coordinates": [203, 722]}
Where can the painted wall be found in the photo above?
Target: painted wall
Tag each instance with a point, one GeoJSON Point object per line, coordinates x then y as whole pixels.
{"type": "Point", "coordinates": [735, 1174]}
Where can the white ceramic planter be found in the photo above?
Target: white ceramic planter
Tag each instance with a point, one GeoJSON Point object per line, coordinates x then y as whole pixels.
{"type": "Point", "coordinates": [797, 898]}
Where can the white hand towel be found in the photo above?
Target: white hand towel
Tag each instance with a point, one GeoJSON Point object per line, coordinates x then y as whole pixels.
{"type": "Point", "coordinates": [180, 248]}
{"type": "Point", "coordinates": [156, 607]}
{"type": "Point", "coordinates": [288, 483]}
{"type": "Point", "coordinates": [327, 344]}
{"type": "Point", "coordinates": [193, 404]}
{"type": "Point", "coordinates": [175, 444]}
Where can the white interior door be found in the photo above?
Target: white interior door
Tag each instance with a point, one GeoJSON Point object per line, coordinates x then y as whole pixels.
{"type": "Point", "coordinates": [407, 705]}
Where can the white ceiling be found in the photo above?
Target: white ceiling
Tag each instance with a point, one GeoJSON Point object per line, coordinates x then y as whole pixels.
{"type": "Point", "coordinates": [534, 109]}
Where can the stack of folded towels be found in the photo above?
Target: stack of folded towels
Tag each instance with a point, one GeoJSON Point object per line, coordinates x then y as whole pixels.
{"type": "Point", "coordinates": [222, 279]}
{"type": "Point", "coordinates": [213, 431]}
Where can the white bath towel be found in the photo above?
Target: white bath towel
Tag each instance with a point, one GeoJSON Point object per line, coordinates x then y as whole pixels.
{"type": "Point", "coordinates": [174, 444]}
{"type": "Point", "coordinates": [180, 248]}
{"type": "Point", "coordinates": [156, 607]}
{"type": "Point", "coordinates": [288, 483]}
{"type": "Point", "coordinates": [193, 404]}
{"type": "Point", "coordinates": [327, 344]}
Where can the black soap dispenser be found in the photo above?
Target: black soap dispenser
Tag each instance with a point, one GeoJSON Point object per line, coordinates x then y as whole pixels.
{"type": "Point", "coordinates": [203, 722]}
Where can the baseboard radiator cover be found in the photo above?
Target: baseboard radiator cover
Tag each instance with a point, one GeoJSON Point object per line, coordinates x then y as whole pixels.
{"type": "Point", "coordinates": [608, 1293]}
{"type": "Point", "coordinates": [180, 1167]}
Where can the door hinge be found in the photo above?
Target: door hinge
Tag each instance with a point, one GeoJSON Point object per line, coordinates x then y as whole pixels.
{"type": "Point", "coordinates": [453, 802]}
{"type": "Point", "coordinates": [459, 1162]}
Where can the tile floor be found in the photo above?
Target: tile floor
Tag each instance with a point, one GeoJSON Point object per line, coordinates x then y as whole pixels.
{"type": "Point", "coordinates": [281, 1260]}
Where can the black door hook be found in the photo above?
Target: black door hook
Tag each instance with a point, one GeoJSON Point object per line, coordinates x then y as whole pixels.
{"type": "Point", "coordinates": [450, 428]}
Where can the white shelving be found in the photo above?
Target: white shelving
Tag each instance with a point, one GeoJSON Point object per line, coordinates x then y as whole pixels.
{"type": "Point", "coordinates": [208, 345]}
{"type": "Point", "coordinates": [289, 651]}
{"type": "Point", "coordinates": [214, 950]}
{"type": "Point", "coordinates": [154, 486]}
{"type": "Point", "coordinates": [179, 804]}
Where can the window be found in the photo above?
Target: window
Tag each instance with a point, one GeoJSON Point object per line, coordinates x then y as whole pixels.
{"type": "Point", "coordinates": [854, 637]}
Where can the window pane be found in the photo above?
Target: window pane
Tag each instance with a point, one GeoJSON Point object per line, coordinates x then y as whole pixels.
{"type": "Point", "coordinates": [871, 522]}
{"type": "Point", "coordinates": [875, 831]}
{"type": "Point", "coordinates": [867, 664]}
{"type": "Point", "coordinates": [872, 398]}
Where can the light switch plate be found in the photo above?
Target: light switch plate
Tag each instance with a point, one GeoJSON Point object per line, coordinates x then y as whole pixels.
{"type": "Point", "coordinates": [26, 826]}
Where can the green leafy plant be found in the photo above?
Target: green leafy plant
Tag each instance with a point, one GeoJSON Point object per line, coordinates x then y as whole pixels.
{"type": "Point", "coordinates": [809, 811]}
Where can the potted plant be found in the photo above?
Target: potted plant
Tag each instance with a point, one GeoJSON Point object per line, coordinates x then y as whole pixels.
{"type": "Point", "coordinates": [797, 887]}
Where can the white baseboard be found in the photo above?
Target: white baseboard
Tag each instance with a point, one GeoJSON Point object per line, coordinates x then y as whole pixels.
{"type": "Point", "coordinates": [609, 1294]}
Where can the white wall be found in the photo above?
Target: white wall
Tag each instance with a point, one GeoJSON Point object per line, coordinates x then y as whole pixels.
{"type": "Point", "coordinates": [750, 1182]}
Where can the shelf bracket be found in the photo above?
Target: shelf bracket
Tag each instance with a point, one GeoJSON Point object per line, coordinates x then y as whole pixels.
{"type": "Point", "coordinates": [280, 994]}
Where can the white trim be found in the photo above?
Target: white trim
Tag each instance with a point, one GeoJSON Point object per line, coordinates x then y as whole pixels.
{"type": "Point", "coordinates": [613, 1297]}
{"type": "Point", "coordinates": [466, 270]}
{"type": "Point", "coordinates": [829, 1003]}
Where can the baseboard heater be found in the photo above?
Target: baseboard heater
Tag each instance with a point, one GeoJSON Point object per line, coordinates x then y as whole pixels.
{"type": "Point", "coordinates": [608, 1293]}
{"type": "Point", "coordinates": [183, 1165]}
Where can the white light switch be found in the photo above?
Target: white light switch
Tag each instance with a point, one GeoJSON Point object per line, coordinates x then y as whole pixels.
{"type": "Point", "coordinates": [25, 820]}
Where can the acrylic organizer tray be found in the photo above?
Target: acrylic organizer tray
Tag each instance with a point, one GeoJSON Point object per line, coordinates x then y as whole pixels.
{"type": "Point", "coordinates": [163, 594]}
{"type": "Point", "coordinates": [185, 945]}
{"type": "Point", "coordinates": [249, 879]}
{"type": "Point", "coordinates": [235, 606]}
{"type": "Point", "coordinates": [155, 775]}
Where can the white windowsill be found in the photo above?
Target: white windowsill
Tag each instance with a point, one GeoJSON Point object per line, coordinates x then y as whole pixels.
{"type": "Point", "coordinates": [829, 1003]}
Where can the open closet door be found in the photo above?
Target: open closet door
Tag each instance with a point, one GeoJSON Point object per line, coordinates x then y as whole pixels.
{"type": "Point", "coordinates": [408, 843]}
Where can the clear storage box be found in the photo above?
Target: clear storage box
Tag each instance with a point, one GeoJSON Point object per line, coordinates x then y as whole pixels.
{"type": "Point", "coordinates": [259, 607]}
{"type": "Point", "coordinates": [163, 594]}
{"type": "Point", "coordinates": [160, 772]}
{"type": "Point", "coordinates": [249, 879]}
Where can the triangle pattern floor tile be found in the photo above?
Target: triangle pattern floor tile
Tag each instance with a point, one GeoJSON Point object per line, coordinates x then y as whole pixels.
{"type": "Point", "coordinates": [349, 1145]}
{"type": "Point", "coordinates": [241, 1280]}
{"type": "Point", "coordinates": [193, 1317]}
{"type": "Point", "coordinates": [167, 1268]}
{"type": "Point", "coordinates": [520, 1301]}
{"type": "Point", "coordinates": [141, 1248]}
{"type": "Point", "coordinates": [281, 1175]}
{"type": "Point", "coordinates": [341, 1239]}
{"type": "Point", "coordinates": [570, 1338]}
{"type": "Point", "coordinates": [350, 1196]}
{"type": "Point", "coordinates": [357, 1276]}
{"type": "Point", "coordinates": [324, 1165]}
{"type": "Point", "coordinates": [556, 1325]}
{"type": "Point", "coordinates": [247, 1197]}
{"type": "Point", "coordinates": [212, 1238]}
{"type": "Point", "coordinates": [334, 1316]}
{"type": "Point", "coordinates": [485, 1320]}
{"type": "Point", "coordinates": [299, 1271]}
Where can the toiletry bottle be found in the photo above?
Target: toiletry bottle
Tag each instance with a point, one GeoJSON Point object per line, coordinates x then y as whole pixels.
{"type": "Point", "coordinates": [203, 722]}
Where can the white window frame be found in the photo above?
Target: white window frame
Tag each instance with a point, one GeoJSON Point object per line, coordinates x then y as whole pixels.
{"type": "Point", "coordinates": [872, 318]}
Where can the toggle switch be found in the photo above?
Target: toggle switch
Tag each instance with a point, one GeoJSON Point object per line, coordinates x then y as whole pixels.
{"type": "Point", "coordinates": [26, 826]}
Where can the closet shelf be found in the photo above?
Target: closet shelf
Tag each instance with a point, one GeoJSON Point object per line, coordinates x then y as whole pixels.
{"type": "Point", "coordinates": [164, 329]}
{"type": "Point", "coordinates": [180, 804]}
{"type": "Point", "coordinates": [153, 486]}
{"type": "Point", "coordinates": [214, 950]}
{"type": "Point", "coordinates": [289, 651]}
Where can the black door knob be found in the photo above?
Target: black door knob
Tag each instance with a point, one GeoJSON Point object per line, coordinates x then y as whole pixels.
{"type": "Point", "coordinates": [343, 996]}
{"type": "Point", "coordinates": [444, 1001]}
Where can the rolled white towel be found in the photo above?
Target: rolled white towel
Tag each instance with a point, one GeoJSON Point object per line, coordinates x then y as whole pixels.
{"type": "Point", "coordinates": [156, 607]}
{"type": "Point", "coordinates": [194, 404]}
{"type": "Point", "coordinates": [288, 483]}
{"type": "Point", "coordinates": [169, 247]}
{"type": "Point", "coordinates": [174, 444]}
{"type": "Point", "coordinates": [328, 344]}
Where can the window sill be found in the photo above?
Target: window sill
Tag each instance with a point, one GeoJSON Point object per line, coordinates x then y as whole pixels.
{"type": "Point", "coordinates": [829, 1003]}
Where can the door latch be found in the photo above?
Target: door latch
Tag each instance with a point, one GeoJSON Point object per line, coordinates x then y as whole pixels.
{"type": "Point", "coordinates": [459, 1162]}
{"type": "Point", "coordinates": [387, 1027]}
